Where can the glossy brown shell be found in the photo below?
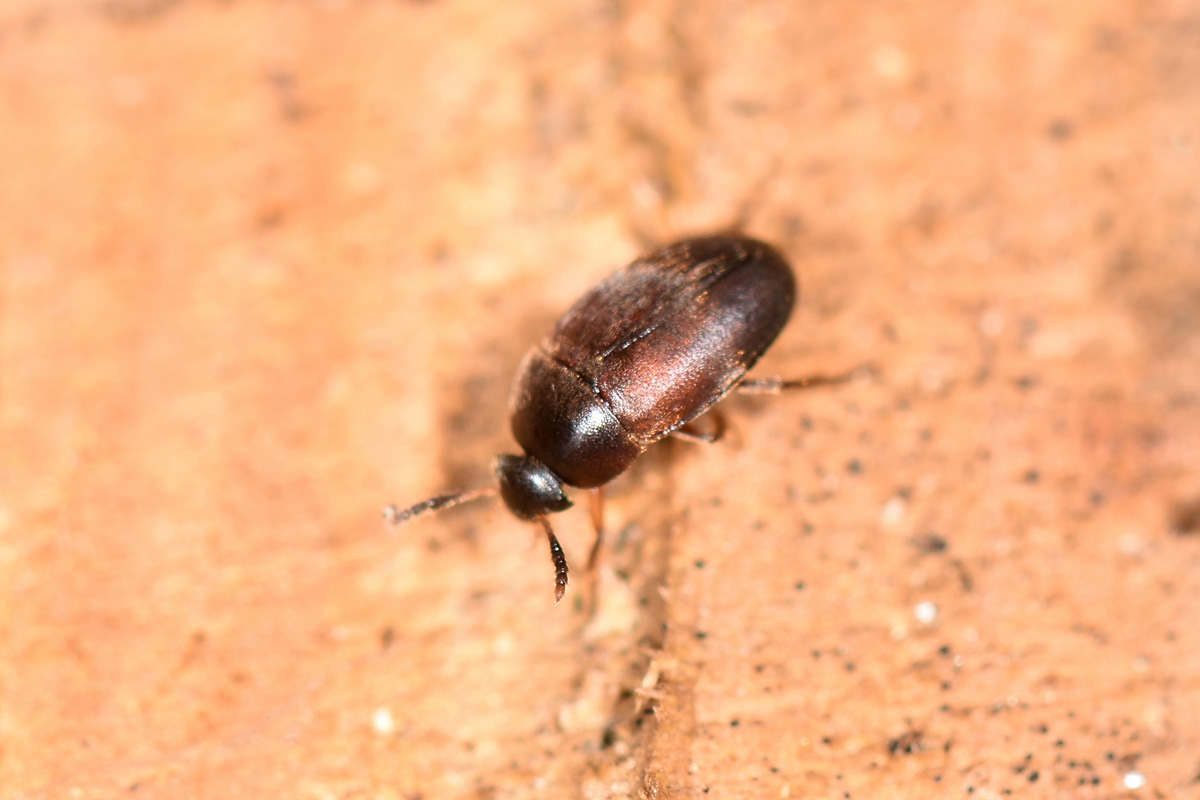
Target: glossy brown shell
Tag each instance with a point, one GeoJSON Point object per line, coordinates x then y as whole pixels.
{"type": "Point", "coordinates": [648, 350]}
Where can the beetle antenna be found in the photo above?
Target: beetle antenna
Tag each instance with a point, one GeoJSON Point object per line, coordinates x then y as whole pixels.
{"type": "Point", "coordinates": [395, 515]}
{"type": "Point", "coordinates": [560, 561]}
{"type": "Point", "coordinates": [776, 385]}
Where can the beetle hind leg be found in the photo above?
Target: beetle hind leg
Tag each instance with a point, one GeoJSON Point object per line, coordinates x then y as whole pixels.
{"type": "Point", "coordinates": [777, 385]}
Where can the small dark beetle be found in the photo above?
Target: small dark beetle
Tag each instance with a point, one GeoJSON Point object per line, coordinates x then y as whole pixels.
{"type": "Point", "coordinates": [638, 357]}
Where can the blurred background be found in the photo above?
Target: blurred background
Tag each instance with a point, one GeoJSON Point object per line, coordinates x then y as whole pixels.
{"type": "Point", "coordinates": [268, 266]}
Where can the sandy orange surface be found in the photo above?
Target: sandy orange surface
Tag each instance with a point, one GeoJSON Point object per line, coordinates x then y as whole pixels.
{"type": "Point", "coordinates": [267, 266]}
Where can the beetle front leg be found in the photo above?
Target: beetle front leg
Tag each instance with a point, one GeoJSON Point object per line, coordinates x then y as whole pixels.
{"type": "Point", "coordinates": [596, 508]}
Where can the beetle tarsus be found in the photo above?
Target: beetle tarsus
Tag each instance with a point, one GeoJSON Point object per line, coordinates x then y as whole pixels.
{"type": "Point", "coordinates": [560, 561]}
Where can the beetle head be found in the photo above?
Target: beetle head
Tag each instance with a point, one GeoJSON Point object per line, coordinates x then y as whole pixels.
{"type": "Point", "coordinates": [530, 491]}
{"type": "Point", "coordinates": [528, 487]}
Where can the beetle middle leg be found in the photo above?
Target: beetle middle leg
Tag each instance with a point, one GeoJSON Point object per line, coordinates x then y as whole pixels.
{"type": "Point", "coordinates": [703, 434]}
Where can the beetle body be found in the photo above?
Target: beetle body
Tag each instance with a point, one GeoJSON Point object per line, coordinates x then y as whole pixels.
{"type": "Point", "coordinates": [647, 351]}
{"type": "Point", "coordinates": [640, 355]}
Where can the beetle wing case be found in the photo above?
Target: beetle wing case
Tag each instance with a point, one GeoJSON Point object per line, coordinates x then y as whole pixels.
{"type": "Point", "coordinates": [669, 335]}
{"type": "Point", "coordinates": [648, 350]}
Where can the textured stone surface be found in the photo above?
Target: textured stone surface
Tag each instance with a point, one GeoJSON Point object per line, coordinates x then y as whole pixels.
{"type": "Point", "coordinates": [266, 266]}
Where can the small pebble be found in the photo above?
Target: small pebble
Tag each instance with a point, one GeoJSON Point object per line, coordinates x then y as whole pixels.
{"type": "Point", "coordinates": [1134, 780]}
{"type": "Point", "coordinates": [926, 612]}
{"type": "Point", "coordinates": [382, 722]}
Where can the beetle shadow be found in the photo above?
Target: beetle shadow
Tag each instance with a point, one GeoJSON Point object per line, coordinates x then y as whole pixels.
{"type": "Point", "coordinates": [472, 405]}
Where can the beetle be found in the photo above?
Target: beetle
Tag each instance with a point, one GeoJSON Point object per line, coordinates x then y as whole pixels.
{"type": "Point", "coordinates": [637, 358]}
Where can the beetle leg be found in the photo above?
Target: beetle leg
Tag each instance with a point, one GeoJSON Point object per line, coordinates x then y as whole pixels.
{"type": "Point", "coordinates": [557, 557]}
{"type": "Point", "coordinates": [596, 507]}
{"type": "Point", "coordinates": [695, 433]}
{"type": "Point", "coordinates": [777, 384]}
